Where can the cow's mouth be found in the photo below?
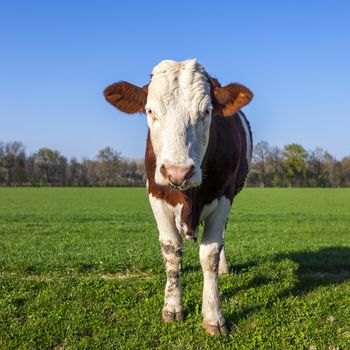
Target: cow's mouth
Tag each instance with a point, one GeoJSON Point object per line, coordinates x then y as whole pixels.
{"type": "Point", "coordinates": [178, 187]}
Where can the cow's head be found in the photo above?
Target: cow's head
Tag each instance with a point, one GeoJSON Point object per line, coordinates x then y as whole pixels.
{"type": "Point", "coordinates": [179, 101]}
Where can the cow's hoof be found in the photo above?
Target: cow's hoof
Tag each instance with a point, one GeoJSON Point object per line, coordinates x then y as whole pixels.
{"type": "Point", "coordinates": [214, 329]}
{"type": "Point", "coordinates": [170, 316]}
{"type": "Point", "coordinates": [179, 316]}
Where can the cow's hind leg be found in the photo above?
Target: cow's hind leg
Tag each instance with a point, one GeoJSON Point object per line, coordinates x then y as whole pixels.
{"type": "Point", "coordinates": [223, 265]}
{"type": "Point", "coordinates": [210, 249]}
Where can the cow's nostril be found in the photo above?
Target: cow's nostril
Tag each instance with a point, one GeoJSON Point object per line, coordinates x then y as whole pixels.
{"type": "Point", "coordinates": [178, 175]}
{"type": "Point", "coordinates": [163, 171]}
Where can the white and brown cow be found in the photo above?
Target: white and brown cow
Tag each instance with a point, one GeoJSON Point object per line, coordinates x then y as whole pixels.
{"type": "Point", "coordinates": [197, 158]}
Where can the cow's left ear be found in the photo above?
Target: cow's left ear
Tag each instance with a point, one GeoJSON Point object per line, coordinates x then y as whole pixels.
{"type": "Point", "coordinates": [232, 98]}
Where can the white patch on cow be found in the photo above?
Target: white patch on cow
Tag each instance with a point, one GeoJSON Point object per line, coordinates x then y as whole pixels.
{"type": "Point", "coordinates": [208, 209]}
{"type": "Point", "coordinates": [210, 249]}
{"type": "Point", "coordinates": [248, 138]}
{"type": "Point", "coordinates": [177, 213]}
{"type": "Point", "coordinates": [178, 103]}
{"type": "Point", "coordinates": [165, 219]}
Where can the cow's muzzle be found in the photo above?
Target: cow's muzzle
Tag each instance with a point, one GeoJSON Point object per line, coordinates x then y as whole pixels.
{"type": "Point", "coordinates": [178, 177]}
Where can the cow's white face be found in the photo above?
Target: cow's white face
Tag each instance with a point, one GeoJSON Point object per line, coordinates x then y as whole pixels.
{"type": "Point", "coordinates": [179, 105]}
{"type": "Point", "coordinates": [178, 112]}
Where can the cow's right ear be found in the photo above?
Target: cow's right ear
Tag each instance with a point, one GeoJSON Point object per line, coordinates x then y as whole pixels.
{"type": "Point", "coordinates": [127, 97]}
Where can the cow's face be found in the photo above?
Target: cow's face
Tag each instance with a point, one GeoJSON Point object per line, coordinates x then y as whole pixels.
{"type": "Point", "coordinates": [180, 101]}
{"type": "Point", "coordinates": [178, 112]}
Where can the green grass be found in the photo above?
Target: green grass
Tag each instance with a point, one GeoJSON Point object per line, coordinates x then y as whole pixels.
{"type": "Point", "coordinates": [82, 269]}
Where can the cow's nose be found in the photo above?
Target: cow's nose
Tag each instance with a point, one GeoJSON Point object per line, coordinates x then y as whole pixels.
{"type": "Point", "coordinates": [177, 175]}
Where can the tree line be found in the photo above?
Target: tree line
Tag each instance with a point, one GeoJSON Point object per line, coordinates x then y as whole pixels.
{"type": "Point", "coordinates": [291, 166]}
{"type": "Point", "coordinates": [48, 167]}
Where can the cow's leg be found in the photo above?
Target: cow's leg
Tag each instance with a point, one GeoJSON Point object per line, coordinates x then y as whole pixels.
{"type": "Point", "coordinates": [210, 248]}
{"type": "Point", "coordinates": [172, 248]}
{"type": "Point", "coordinates": [172, 256]}
{"type": "Point", "coordinates": [223, 265]}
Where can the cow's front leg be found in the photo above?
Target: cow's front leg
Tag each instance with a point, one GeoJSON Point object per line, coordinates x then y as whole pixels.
{"type": "Point", "coordinates": [172, 256]}
{"type": "Point", "coordinates": [210, 249]}
{"type": "Point", "coordinates": [172, 248]}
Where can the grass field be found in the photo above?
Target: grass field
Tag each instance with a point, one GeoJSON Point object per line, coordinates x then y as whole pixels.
{"type": "Point", "coordinates": [82, 269]}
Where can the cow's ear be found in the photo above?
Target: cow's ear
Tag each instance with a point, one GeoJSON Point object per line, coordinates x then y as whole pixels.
{"type": "Point", "coordinates": [232, 97]}
{"type": "Point", "coordinates": [127, 97]}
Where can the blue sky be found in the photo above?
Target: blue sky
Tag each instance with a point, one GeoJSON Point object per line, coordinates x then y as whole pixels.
{"type": "Point", "coordinates": [57, 57]}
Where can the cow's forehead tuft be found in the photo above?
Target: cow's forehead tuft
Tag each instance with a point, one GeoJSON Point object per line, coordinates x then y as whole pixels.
{"type": "Point", "coordinates": [172, 80]}
{"type": "Point", "coordinates": [174, 67]}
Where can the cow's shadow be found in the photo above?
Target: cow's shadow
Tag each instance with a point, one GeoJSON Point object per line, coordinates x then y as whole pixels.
{"type": "Point", "coordinates": [327, 266]}
{"type": "Point", "coordinates": [313, 269]}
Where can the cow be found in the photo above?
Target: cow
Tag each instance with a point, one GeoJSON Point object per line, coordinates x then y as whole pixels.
{"type": "Point", "coordinates": [198, 154]}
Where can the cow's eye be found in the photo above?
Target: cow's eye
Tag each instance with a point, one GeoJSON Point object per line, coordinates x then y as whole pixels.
{"type": "Point", "coordinates": [150, 113]}
{"type": "Point", "coordinates": [206, 114]}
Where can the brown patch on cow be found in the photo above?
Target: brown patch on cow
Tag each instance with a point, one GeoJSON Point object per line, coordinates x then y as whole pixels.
{"type": "Point", "coordinates": [127, 97]}
{"type": "Point", "coordinates": [171, 195]}
{"type": "Point", "coordinates": [170, 316]}
{"type": "Point", "coordinates": [170, 249]}
{"type": "Point", "coordinates": [172, 285]}
{"type": "Point", "coordinates": [170, 290]}
{"type": "Point", "coordinates": [179, 316]}
{"type": "Point", "coordinates": [172, 274]}
{"type": "Point", "coordinates": [213, 260]}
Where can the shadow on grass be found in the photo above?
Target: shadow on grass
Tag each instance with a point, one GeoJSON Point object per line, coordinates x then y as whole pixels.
{"type": "Point", "coordinates": [324, 267]}
{"type": "Point", "coordinates": [320, 268]}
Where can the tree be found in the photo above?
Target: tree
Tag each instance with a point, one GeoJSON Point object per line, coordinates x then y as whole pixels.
{"type": "Point", "coordinates": [13, 158]}
{"type": "Point", "coordinates": [260, 153]}
{"type": "Point", "coordinates": [315, 168]}
{"type": "Point", "coordinates": [132, 171]}
{"type": "Point", "coordinates": [345, 170]}
{"type": "Point", "coordinates": [53, 165]}
{"type": "Point", "coordinates": [295, 156]}
{"type": "Point", "coordinates": [110, 161]}
{"type": "Point", "coordinates": [31, 171]}
{"type": "Point", "coordinates": [91, 172]}
{"type": "Point", "coordinates": [275, 166]}
{"type": "Point", "coordinates": [2, 178]}
{"type": "Point", "coordinates": [76, 173]}
{"type": "Point", "coordinates": [332, 169]}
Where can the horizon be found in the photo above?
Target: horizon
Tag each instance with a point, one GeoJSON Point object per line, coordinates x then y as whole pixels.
{"type": "Point", "coordinates": [58, 57]}
{"type": "Point", "coordinates": [95, 155]}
